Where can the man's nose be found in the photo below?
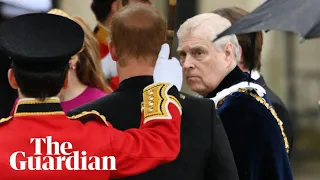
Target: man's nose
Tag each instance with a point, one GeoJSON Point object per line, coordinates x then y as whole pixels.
{"type": "Point", "coordinates": [188, 63]}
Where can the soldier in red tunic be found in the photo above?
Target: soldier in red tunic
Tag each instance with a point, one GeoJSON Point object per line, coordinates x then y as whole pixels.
{"type": "Point", "coordinates": [104, 10]}
{"type": "Point", "coordinates": [41, 142]}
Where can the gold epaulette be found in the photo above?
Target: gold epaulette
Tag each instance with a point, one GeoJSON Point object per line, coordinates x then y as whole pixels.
{"type": "Point", "coordinates": [3, 120]}
{"type": "Point", "coordinates": [93, 115]}
{"type": "Point", "coordinates": [156, 101]}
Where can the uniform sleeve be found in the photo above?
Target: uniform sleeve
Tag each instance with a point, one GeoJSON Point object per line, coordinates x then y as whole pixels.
{"type": "Point", "coordinates": [256, 140]}
{"type": "Point", "coordinates": [157, 141]}
{"type": "Point", "coordinates": [221, 163]}
{"type": "Point", "coordinates": [275, 156]}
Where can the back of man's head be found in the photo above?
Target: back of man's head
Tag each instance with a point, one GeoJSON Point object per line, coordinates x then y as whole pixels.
{"type": "Point", "coordinates": [40, 62]}
{"type": "Point", "coordinates": [137, 31]}
{"type": "Point", "coordinates": [251, 55]}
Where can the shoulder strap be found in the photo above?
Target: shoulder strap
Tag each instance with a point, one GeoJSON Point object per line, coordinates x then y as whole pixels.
{"type": "Point", "coordinates": [89, 116]}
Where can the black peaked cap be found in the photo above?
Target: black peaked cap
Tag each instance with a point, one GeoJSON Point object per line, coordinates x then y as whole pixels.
{"type": "Point", "coordinates": [41, 41]}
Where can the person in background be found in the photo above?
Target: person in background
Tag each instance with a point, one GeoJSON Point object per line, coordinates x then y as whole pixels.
{"type": "Point", "coordinates": [251, 46]}
{"type": "Point", "coordinates": [258, 142]}
{"type": "Point", "coordinates": [86, 80]}
{"type": "Point", "coordinates": [40, 62]}
{"type": "Point", "coordinates": [103, 11]}
{"type": "Point", "coordinates": [205, 150]}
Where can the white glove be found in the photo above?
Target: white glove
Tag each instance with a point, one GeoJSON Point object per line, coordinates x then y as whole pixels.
{"type": "Point", "coordinates": [168, 70]}
{"type": "Point", "coordinates": [109, 66]}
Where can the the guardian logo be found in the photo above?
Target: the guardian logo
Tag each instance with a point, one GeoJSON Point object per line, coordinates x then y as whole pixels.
{"type": "Point", "coordinates": [63, 158]}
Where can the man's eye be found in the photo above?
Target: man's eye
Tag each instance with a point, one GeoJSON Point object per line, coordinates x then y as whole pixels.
{"type": "Point", "coordinates": [199, 53]}
{"type": "Point", "coordinates": [182, 54]}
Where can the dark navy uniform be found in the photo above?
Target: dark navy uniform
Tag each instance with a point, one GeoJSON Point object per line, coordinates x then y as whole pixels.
{"type": "Point", "coordinates": [205, 152]}
{"type": "Point", "coordinates": [282, 112]}
{"type": "Point", "coordinates": [255, 132]}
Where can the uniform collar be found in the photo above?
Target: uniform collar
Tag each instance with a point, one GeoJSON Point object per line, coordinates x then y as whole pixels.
{"type": "Point", "coordinates": [234, 77]}
{"type": "Point", "coordinates": [32, 106]}
{"type": "Point", "coordinates": [135, 83]}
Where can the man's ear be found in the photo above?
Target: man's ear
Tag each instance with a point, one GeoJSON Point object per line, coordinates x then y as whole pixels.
{"type": "Point", "coordinates": [229, 53]}
{"type": "Point", "coordinates": [112, 50]}
{"type": "Point", "coordinates": [12, 79]}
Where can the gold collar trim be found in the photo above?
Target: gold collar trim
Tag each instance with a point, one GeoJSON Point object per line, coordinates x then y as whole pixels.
{"type": "Point", "coordinates": [32, 106]}
{"type": "Point", "coordinates": [37, 101]}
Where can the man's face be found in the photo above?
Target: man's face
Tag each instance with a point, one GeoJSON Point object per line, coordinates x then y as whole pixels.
{"type": "Point", "coordinates": [204, 67]}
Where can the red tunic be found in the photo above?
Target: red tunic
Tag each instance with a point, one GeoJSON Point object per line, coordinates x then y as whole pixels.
{"type": "Point", "coordinates": [104, 50]}
{"type": "Point", "coordinates": [136, 150]}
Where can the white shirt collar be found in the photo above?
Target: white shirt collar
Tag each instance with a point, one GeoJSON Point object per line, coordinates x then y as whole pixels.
{"type": "Point", "coordinates": [255, 74]}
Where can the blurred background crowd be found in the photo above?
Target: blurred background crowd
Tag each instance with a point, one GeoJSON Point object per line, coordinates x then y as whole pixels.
{"type": "Point", "coordinates": [290, 68]}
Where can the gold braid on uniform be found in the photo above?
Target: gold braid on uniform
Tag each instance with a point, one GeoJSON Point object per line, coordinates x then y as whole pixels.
{"type": "Point", "coordinates": [156, 102]}
{"type": "Point", "coordinates": [52, 107]}
{"type": "Point", "coordinates": [3, 120]}
{"type": "Point", "coordinates": [270, 108]}
{"type": "Point", "coordinates": [93, 115]}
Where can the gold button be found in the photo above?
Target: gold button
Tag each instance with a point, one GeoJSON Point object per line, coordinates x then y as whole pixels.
{"type": "Point", "coordinates": [150, 104]}
{"type": "Point", "coordinates": [150, 92]}
{"type": "Point", "coordinates": [150, 109]}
